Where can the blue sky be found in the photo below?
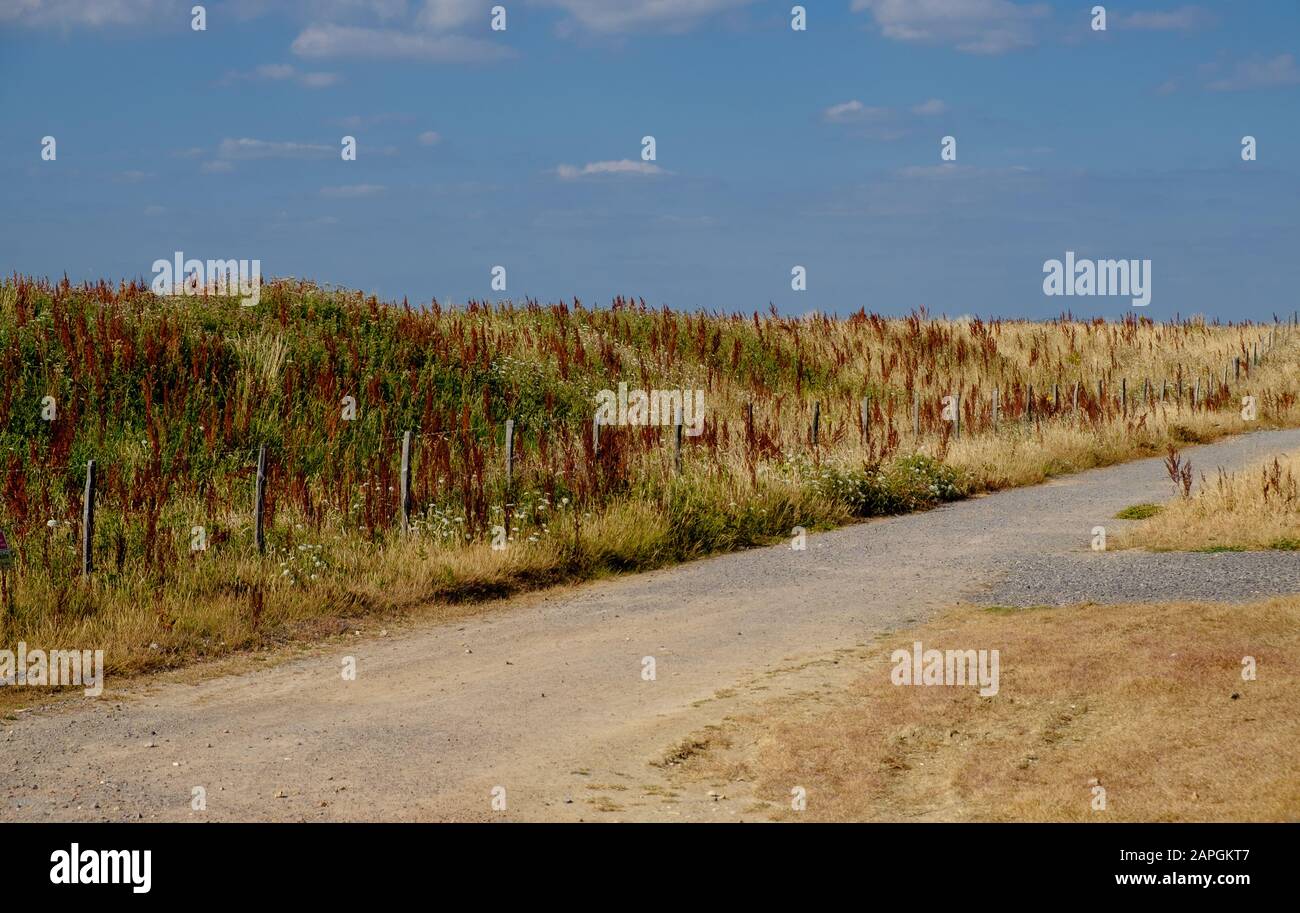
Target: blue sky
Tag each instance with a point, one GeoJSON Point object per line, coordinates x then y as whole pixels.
{"type": "Point", "coordinates": [775, 148]}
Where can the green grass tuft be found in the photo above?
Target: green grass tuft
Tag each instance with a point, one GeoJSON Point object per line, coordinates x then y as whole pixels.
{"type": "Point", "coordinates": [1138, 512]}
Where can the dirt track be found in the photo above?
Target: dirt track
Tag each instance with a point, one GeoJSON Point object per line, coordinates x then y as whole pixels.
{"type": "Point", "coordinates": [545, 696]}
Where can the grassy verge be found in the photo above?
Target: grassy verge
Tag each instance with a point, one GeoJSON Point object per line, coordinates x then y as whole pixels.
{"type": "Point", "coordinates": [174, 398]}
{"type": "Point", "coordinates": [1145, 702]}
{"type": "Point", "coordinates": [314, 582]}
{"type": "Point", "coordinates": [1258, 508]}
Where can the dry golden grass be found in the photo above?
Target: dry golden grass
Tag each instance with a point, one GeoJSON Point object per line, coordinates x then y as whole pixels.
{"type": "Point", "coordinates": [148, 616]}
{"type": "Point", "coordinates": [320, 583]}
{"type": "Point", "coordinates": [1258, 508]}
{"type": "Point", "coordinates": [1147, 701]}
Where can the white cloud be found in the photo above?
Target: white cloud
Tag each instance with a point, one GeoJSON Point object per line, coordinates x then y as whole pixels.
{"type": "Point", "coordinates": [451, 14]}
{"type": "Point", "coordinates": [881, 124]}
{"type": "Point", "coordinates": [350, 191]}
{"type": "Point", "coordinates": [281, 72]}
{"type": "Point", "coordinates": [851, 112]}
{"type": "Point", "coordinates": [1183, 19]}
{"type": "Point", "coordinates": [1273, 73]}
{"type": "Point", "coordinates": [273, 71]}
{"type": "Point", "coordinates": [418, 22]}
{"type": "Point", "coordinates": [321, 41]}
{"type": "Point", "coordinates": [948, 170]}
{"type": "Point", "coordinates": [932, 108]}
{"type": "Point", "coordinates": [621, 166]}
{"type": "Point", "coordinates": [84, 13]}
{"type": "Point", "coordinates": [631, 15]}
{"type": "Point", "coordinates": [245, 148]}
{"type": "Point", "coordinates": [217, 167]}
{"type": "Point", "coordinates": [972, 26]}
{"type": "Point", "coordinates": [317, 80]}
{"type": "Point", "coordinates": [944, 170]}
{"type": "Point", "coordinates": [429, 138]}
{"type": "Point", "coordinates": [356, 121]}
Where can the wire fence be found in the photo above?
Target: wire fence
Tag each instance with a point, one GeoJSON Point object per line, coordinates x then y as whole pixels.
{"type": "Point", "coordinates": [405, 469]}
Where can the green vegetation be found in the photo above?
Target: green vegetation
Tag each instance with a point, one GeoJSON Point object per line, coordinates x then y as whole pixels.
{"type": "Point", "coordinates": [1138, 512]}
{"type": "Point", "coordinates": [172, 397]}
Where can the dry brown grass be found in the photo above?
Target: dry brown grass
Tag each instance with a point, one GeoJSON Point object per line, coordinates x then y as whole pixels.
{"type": "Point", "coordinates": [743, 482]}
{"type": "Point", "coordinates": [1147, 701]}
{"type": "Point", "coordinates": [1258, 508]}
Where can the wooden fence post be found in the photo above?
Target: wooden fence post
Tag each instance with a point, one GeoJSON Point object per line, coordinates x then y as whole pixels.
{"type": "Point", "coordinates": [1076, 398]}
{"type": "Point", "coordinates": [995, 408]}
{"type": "Point", "coordinates": [677, 442]}
{"type": "Point", "coordinates": [1029, 404]}
{"type": "Point", "coordinates": [865, 409]}
{"type": "Point", "coordinates": [259, 501]}
{"type": "Point", "coordinates": [916, 414]}
{"type": "Point", "coordinates": [405, 481]}
{"type": "Point", "coordinates": [510, 454]}
{"type": "Point", "coordinates": [88, 522]}
{"type": "Point", "coordinates": [1123, 397]}
{"type": "Point", "coordinates": [1236, 368]}
{"type": "Point", "coordinates": [595, 436]}
{"type": "Point", "coordinates": [956, 403]}
{"type": "Point", "coordinates": [817, 420]}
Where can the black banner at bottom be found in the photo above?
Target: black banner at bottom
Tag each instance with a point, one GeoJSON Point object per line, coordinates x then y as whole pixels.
{"type": "Point", "coordinates": [335, 861]}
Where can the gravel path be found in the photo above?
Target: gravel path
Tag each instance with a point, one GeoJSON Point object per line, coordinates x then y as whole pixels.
{"type": "Point", "coordinates": [547, 697]}
{"type": "Point", "coordinates": [1110, 577]}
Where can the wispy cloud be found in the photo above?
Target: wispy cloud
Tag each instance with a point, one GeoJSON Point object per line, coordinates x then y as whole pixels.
{"type": "Point", "coordinates": [423, 19]}
{"type": "Point", "coordinates": [641, 15]}
{"type": "Point", "coordinates": [429, 138]}
{"type": "Point", "coordinates": [339, 41]}
{"type": "Point", "coordinates": [1259, 73]}
{"type": "Point", "coordinates": [281, 72]}
{"type": "Point", "coordinates": [881, 123]}
{"type": "Point", "coordinates": [931, 108]}
{"type": "Point", "coordinates": [1183, 19]}
{"type": "Point", "coordinates": [351, 191]}
{"type": "Point", "coordinates": [83, 14]}
{"type": "Point", "coordinates": [357, 121]}
{"type": "Point", "coordinates": [971, 26]}
{"type": "Point", "coordinates": [852, 112]}
{"type": "Point", "coordinates": [452, 14]}
{"type": "Point", "coordinates": [246, 148]}
{"type": "Point", "coordinates": [619, 167]}
{"type": "Point", "coordinates": [947, 170]}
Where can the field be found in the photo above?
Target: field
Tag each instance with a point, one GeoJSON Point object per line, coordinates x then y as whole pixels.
{"type": "Point", "coordinates": [1230, 511]}
{"type": "Point", "coordinates": [809, 423]}
{"type": "Point", "coordinates": [1106, 713]}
